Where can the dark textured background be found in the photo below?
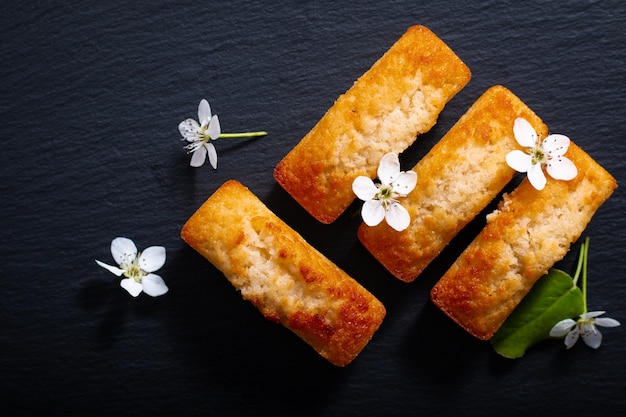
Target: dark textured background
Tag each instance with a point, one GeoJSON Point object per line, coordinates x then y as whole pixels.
{"type": "Point", "coordinates": [91, 94]}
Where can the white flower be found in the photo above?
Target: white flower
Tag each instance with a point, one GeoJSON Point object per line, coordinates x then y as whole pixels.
{"type": "Point", "coordinates": [137, 268]}
{"type": "Point", "coordinates": [585, 326]}
{"type": "Point", "coordinates": [380, 199]}
{"type": "Point", "coordinates": [548, 153]}
{"type": "Point", "coordinates": [199, 134]}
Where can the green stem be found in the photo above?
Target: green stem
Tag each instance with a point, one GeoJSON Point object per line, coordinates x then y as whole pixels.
{"type": "Point", "coordinates": [584, 284]}
{"type": "Point", "coordinates": [581, 256]}
{"type": "Point", "coordinates": [242, 135]}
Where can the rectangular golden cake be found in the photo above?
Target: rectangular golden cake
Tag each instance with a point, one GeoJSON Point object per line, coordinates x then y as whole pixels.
{"type": "Point", "coordinates": [398, 98]}
{"type": "Point", "coordinates": [456, 180]}
{"type": "Point", "coordinates": [288, 280]}
{"type": "Point", "coordinates": [529, 232]}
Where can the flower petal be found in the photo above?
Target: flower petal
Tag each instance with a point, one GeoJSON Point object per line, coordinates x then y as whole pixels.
{"type": "Point", "coordinates": [153, 285]}
{"type": "Point", "coordinates": [198, 157]}
{"type": "Point", "coordinates": [518, 160]}
{"type": "Point", "coordinates": [555, 145]}
{"type": "Point", "coordinates": [592, 314]}
{"type": "Point", "coordinates": [388, 168]}
{"type": "Point", "coordinates": [133, 287]}
{"type": "Point", "coordinates": [524, 133]}
{"type": "Point", "coordinates": [562, 328]}
{"type": "Point", "coordinates": [117, 271]}
{"type": "Point", "coordinates": [214, 129]}
{"type": "Point", "coordinates": [397, 217]}
{"type": "Point", "coordinates": [405, 183]}
{"type": "Point", "coordinates": [561, 168]}
{"type": "Point", "coordinates": [364, 188]}
{"type": "Point", "coordinates": [607, 322]}
{"type": "Point", "coordinates": [372, 212]}
{"type": "Point", "coordinates": [572, 337]}
{"type": "Point", "coordinates": [212, 154]}
{"type": "Point", "coordinates": [204, 112]}
{"type": "Point", "coordinates": [536, 176]}
{"type": "Point", "coordinates": [189, 129]}
{"type": "Point", "coordinates": [152, 258]}
{"type": "Point", "coordinates": [591, 336]}
{"type": "Point", "coordinates": [123, 250]}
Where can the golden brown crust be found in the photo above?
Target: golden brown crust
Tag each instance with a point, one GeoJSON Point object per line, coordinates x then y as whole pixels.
{"type": "Point", "coordinates": [530, 231]}
{"type": "Point", "coordinates": [461, 174]}
{"type": "Point", "coordinates": [288, 280]}
{"type": "Point", "coordinates": [399, 97]}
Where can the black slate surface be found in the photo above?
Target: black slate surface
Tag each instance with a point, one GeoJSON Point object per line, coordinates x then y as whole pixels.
{"type": "Point", "coordinates": [91, 94]}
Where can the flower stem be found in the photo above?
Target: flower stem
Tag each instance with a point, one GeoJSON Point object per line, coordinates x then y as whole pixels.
{"type": "Point", "coordinates": [584, 284]}
{"type": "Point", "coordinates": [581, 256]}
{"type": "Point", "coordinates": [242, 135]}
{"type": "Point", "coordinates": [582, 267]}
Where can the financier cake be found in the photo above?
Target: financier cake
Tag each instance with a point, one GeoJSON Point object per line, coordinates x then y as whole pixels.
{"type": "Point", "coordinates": [398, 98]}
{"type": "Point", "coordinates": [288, 280]}
{"type": "Point", "coordinates": [456, 180]}
{"type": "Point", "coordinates": [529, 232]}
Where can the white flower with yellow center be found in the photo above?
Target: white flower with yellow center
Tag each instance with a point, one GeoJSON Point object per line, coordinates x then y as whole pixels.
{"type": "Point", "coordinates": [380, 200]}
{"type": "Point", "coordinates": [548, 154]}
{"type": "Point", "coordinates": [138, 268]}
{"type": "Point", "coordinates": [200, 133]}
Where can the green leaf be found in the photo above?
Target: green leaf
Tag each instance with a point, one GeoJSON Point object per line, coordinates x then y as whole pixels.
{"type": "Point", "coordinates": [553, 298]}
